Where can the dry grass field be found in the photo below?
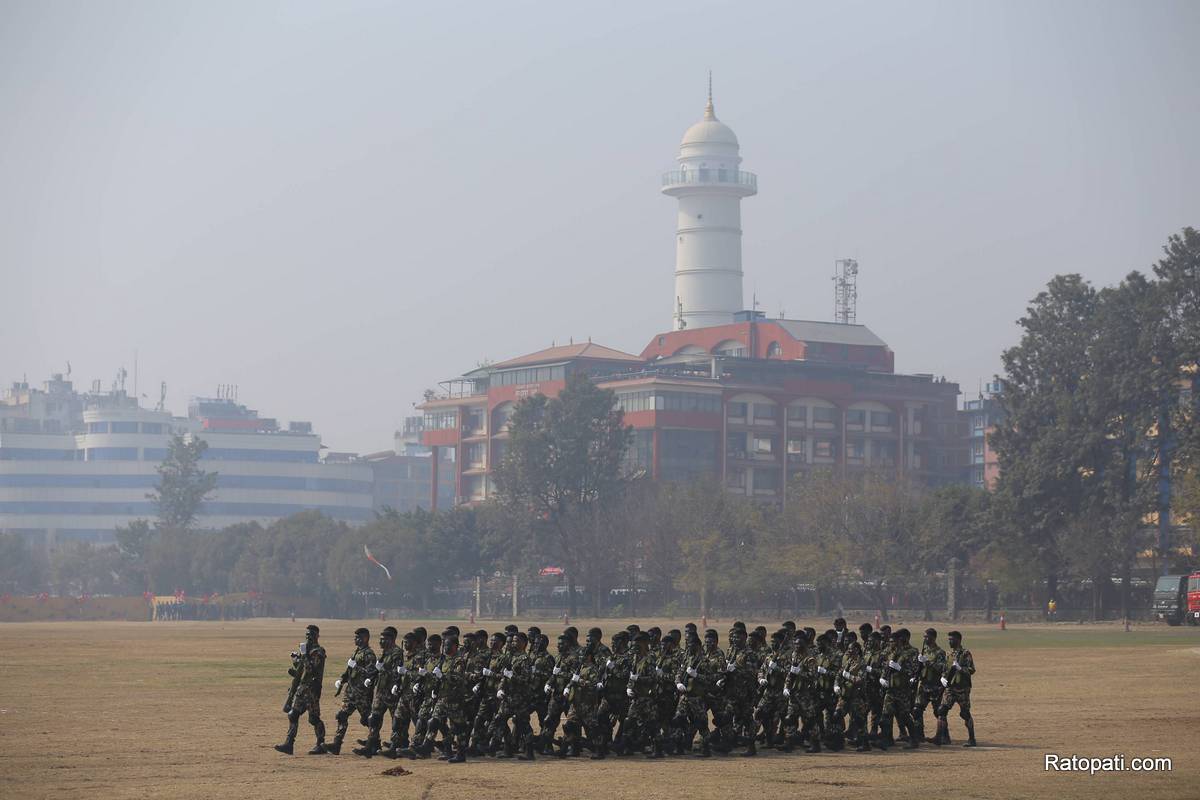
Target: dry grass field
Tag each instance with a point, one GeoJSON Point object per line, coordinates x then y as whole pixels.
{"type": "Point", "coordinates": [190, 710]}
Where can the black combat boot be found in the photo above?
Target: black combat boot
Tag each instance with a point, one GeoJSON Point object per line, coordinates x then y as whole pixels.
{"type": "Point", "coordinates": [863, 745]}
{"type": "Point", "coordinates": [285, 748]}
{"type": "Point", "coordinates": [319, 749]}
{"type": "Point", "coordinates": [335, 747]}
{"type": "Point", "coordinates": [658, 749]}
{"type": "Point", "coordinates": [705, 747]}
{"type": "Point", "coordinates": [527, 754]}
{"type": "Point", "coordinates": [601, 750]}
{"type": "Point", "coordinates": [460, 754]}
{"type": "Point", "coordinates": [814, 740]}
{"type": "Point", "coordinates": [752, 747]}
{"type": "Point", "coordinates": [369, 749]}
{"type": "Point", "coordinates": [970, 733]}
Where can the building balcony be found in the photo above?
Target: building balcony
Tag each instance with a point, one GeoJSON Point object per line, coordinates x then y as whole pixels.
{"type": "Point", "coordinates": [734, 180]}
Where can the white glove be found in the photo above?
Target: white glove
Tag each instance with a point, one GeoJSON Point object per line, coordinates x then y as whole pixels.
{"type": "Point", "coordinates": [837, 689]}
{"type": "Point", "coordinates": [954, 664]}
{"type": "Point", "coordinates": [692, 673]}
{"type": "Point", "coordinates": [508, 673]}
{"type": "Point", "coordinates": [658, 672]}
{"type": "Point", "coordinates": [556, 671]}
{"type": "Point", "coordinates": [771, 664]}
{"type": "Point", "coordinates": [422, 671]}
{"type": "Point", "coordinates": [846, 674]}
{"type": "Point", "coordinates": [945, 682]}
{"type": "Point", "coordinates": [794, 670]}
{"type": "Point", "coordinates": [730, 667]}
{"type": "Point", "coordinates": [566, 692]}
{"type": "Point", "coordinates": [548, 688]}
{"type": "Point", "coordinates": [500, 694]}
{"type": "Point", "coordinates": [720, 683]}
{"type": "Point", "coordinates": [475, 689]}
{"type": "Point", "coordinates": [629, 691]}
{"type": "Point", "coordinates": [883, 682]}
{"type": "Point", "coordinates": [787, 692]}
{"type": "Point", "coordinates": [574, 679]}
{"type": "Point", "coordinates": [600, 685]}
{"type": "Point", "coordinates": [922, 658]}
{"type": "Point", "coordinates": [762, 681]}
{"type": "Point", "coordinates": [367, 683]}
{"type": "Point", "coordinates": [894, 665]}
{"type": "Point", "coordinates": [350, 663]}
{"type": "Point", "coordinates": [608, 664]}
{"type": "Point", "coordinates": [822, 670]}
{"type": "Point", "coordinates": [437, 672]}
{"type": "Point", "coordinates": [416, 689]}
{"type": "Point", "coordinates": [396, 689]}
{"type": "Point", "coordinates": [487, 672]}
{"type": "Point", "coordinates": [870, 669]}
{"type": "Point", "coordinates": [337, 684]}
{"type": "Point", "coordinates": [681, 687]}
{"type": "Point", "coordinates": [401, 670]}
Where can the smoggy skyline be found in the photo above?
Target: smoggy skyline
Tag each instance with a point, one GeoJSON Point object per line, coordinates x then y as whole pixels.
{"type": "Point", "coordinates": [335, 206]}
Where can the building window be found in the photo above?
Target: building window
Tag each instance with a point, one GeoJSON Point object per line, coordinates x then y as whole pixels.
{"type": "Point", "coordinates": [441, 420]}
{"type": "Point", "coordinates": [736, 410]}
{"type": "Point", "coordinates": [767, 412]}
{"type": "Point", "coordinates": [112, 454]}
{"type": "Point", "coordinates": [856, 419]}
{"type": "Point", "coordinates": [476, 455]}
{"type": "Point", "coordinates": [823, 448]}
{"type": "Point", "coordinates": [124, 427]}
{"type": "Point", "coordinates": [152, 427]}
{"type": "Point", "coordinates": [735, 445]}
{"type": "Point", "coordinates": [824, 417]}
{"type": "Point", "coordinates": [736, 479]}
{"type": "Point", "coordinates": [766, 481]}
{"type": "Point", "coordinates": [797, 416]}
{"type": "Point", "coordinates": [764, 445]}
{"type": "Point", "coordinates": [882, 420]}
{"type": "Point", "coordinates": [774, 350]}
{"type": "Point", "coordinates": [97, 427]}
{"type": "Point", "coordinates": [855, 450]}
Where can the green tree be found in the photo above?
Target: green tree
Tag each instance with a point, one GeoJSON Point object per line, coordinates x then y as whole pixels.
{"type": "Point", "coordinates": [182, 484]}
{"type": "Point", "coordinates": [563, 463]}
{"type": "Point", "coordinates": [717, 540]}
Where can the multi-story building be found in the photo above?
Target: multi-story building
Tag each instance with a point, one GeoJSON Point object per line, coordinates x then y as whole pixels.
{"type": "Point", "coordinates": [404, 475]}
{"type": "Point", "coordinates": [729, 393]}
{"type": "Point", "coordinates": [77, 466]}
{"type": "Point", "coordinates": [982, 415]}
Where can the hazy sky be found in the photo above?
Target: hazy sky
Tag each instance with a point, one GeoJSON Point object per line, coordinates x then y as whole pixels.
{"type": "Point", "coordinates": [336, 205]}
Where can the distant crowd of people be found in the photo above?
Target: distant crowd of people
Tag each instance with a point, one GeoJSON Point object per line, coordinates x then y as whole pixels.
{"type": "Point", "coordinates": [200, 610]}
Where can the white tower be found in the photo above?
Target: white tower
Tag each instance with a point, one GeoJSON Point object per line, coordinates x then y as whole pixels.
{"type": "Point", "coordinates": [708, 248]}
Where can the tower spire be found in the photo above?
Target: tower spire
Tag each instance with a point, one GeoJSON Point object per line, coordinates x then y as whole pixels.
{"type": "Point", "coordinates": [708, 109]}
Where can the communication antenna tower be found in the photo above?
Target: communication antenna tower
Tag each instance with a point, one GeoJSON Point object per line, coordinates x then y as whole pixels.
{"type": "Point", "coordinates": [162, 397]}
{"type": "Point", "coordinates": [845, 291]}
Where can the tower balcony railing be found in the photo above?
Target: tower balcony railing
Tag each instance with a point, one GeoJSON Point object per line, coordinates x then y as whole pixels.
{"type": "Point", "coordinates": [713, 177]}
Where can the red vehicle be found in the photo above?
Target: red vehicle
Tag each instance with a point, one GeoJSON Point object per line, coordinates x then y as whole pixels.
{"type": "Point", "coordinates": [1193, 599]}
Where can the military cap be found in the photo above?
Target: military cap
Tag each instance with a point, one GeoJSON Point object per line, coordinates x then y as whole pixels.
{"type": "Point", "coordinates": [876, 635]}
{"type": "Point", "coordinates": [563, 638]}
{"type": "Point", "coordinates": [841, 620]}
{"type": "Point", "coordinates": [449, 640]}
{"type": "Point", "coordinates": [954, 635]}
{"type": "Point", "coordinates": [481, 635]}
{"type": "Point", "coordinates": [389, 632]}
{"type": "Point", "coordinates": [790, 625]}
{"type": "Point", "coordinates": [865, 629]}
{"type": "Point", "coordinates": [420, 632]}
{"type": "Point", "coordinates": [691, 626]}
{"type": "Point", "coordinates": [313, 628]}
{"type": "Point", "coordinates": [511, 629]}
{"type": "Point", "coordinates": [931, 632]}
{"type": "Point", "coordinates": [761, 628]}
{"type": "Point", "coordinates": [710, 634]}
{"type": "Point", "coordinates": [811, 631]}
{"type": "Point", "coordinates": [778, 636]}
{"type": "Point", "coordinates": [621, 636]}
{"type": "Point", "coordinates": [498, 637]}
{"type": "Point", "coordinates": [851, 636]}
{"type": "Point", "coordinates": [434, 639]}
{"type": "Point", "coordinates": [571, 631]}
{"type": "Point", "coordinates": [641, 636]}
{"type": "Point", "coordinates": [902, 633]}
{"type": "Point", "coordinates": [533, 630]}
{"type": "Point", "coordinates": [361, 632]}
{"type": "Point", "coordinates": [521, 637]}
{"type": "Point", "coordinates": [654, 631]}
{"type": "Point", "coordinates": [830, 632]}
{"type": "Point", "coordinates": [674, 634]}
{"type": "Point", "coordinates": [633, 627]}
{"type": "Point", "coordinates": [595, 633]}
{"type": "Point", "coordinates": [409, 637]}
{"type": "Point", "coordinates": [738, 624]}
{"type": "Point", "coordinates": [885, 628]}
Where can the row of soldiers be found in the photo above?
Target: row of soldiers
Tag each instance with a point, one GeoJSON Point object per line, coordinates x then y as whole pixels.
{"type": "Point", "coordinates": [646, 692]}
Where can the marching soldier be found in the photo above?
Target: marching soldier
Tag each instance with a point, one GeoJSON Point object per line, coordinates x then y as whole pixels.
{"type": "Point", "coordinates": [308, 670]}
{"type": "Point", "coordinates": [929, 686]}
{"type": "Point", "coordinates": [387, 692]}
{"type": "Point", "coordinates": [956, 683]}
{"type": "Point", "coordinates": [357, 681]}
{"type": "Point", "coordinates": [899, 678]}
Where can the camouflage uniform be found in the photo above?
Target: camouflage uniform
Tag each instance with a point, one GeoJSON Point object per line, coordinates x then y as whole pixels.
{"type": "Point", "coordinates": [584, 715]}
{"type": "Point", "coordinates": [957, 683]}
{"type": "Point", "coordinates": [387, 697]}
{"type": "Point", "coordinates": [450, 701]}
{"type": "Point", "coordinates": [565, 665]}
{"type": "Point", "coordinates": [900, 676]}
{"type": "Point", "coordinates": [641, 720]}
{"type": "Point", "coordinates": [540, 673]}
{"type": "Point", "coordinates": [669, 663]}
{"type": "Point", "coordinates": [850, 687]}
{"type": "Point", "coordinates": [514, 697]}
{"type": "Point", "coordinates": [614, 705]}
{"type": "Point", "coordinates": [691, 712]}
{"type": "Point", "coordinates": [487, 679]}
{"type": "Point", "coordinates": [772, 705]}
{"type": "Point", "coordinates": [929, 686]}
{"type": "Point", "coordinates": [800, 687]}
{"type": "Point", "coordinates": [873, 651]}
{"type": "Point", "coordinates": [740, 674]}
{"type": "Point", "coordinates": [358, 683]}
{"type": "Point", "coordinates": [308, 670]}
{"type": "Point", "coordinates": [829, 665]}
